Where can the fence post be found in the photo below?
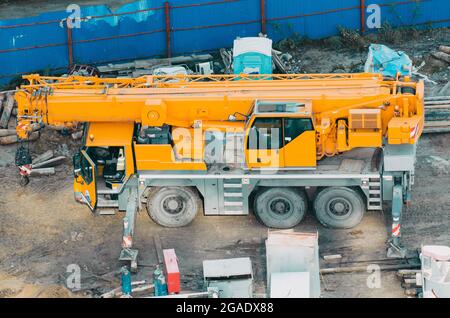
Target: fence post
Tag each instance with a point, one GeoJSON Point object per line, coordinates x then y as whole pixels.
{"type": "Point", "coordinates": [263, 16]}
{"type": "Point", "coordinates": [168, 35]}
{"type": "Point", "coordinates": [362, 13]}
{"type": "Point", "coordinates": [69, 41]}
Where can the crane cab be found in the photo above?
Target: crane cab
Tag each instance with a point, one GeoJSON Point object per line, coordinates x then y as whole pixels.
{"type": "Point", "coordinates": [104, 163]}
{"type": "Point", "coordinates": [280, 135]}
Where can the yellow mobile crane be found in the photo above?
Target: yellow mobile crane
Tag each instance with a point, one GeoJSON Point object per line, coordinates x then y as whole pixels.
{"type": "Point", "coordinates": [344, 142]}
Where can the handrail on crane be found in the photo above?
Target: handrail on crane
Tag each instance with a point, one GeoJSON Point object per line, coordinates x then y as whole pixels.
{"type": "Point", "coordinates": [37, 81]}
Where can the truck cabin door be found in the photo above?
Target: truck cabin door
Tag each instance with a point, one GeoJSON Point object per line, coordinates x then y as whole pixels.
{"type": "Point", "coordinates": [85, 185]}
{"type": "Point", "coordinates": [264, 142]}
{"type": "Point", "coordinates": [280, 142]}
{"type": "Point", "coordinates": [299, 142]}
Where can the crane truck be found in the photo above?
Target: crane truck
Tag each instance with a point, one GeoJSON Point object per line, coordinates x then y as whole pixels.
{"type": "Point", "coordinates": [276, 145]}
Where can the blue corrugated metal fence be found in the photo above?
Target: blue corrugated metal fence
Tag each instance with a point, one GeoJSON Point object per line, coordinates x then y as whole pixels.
{"type": "Point", "coordinates": [141, 29]}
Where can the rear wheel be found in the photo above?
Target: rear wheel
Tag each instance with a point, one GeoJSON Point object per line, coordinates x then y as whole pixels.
{"type": "Point", "coordinates": [339, 207]}
{"type": "Point", "coordinates": [173, 206]}
{"type": "Point", "coordinates": [281, 208]}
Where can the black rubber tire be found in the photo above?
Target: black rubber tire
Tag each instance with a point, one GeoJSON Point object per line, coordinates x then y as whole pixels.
{"type": "Point", "coordinates": [294, 199]}
{"type": "Point", "coordinates": [348, 199]}
{"type": "Point", "coordinates": [24, 180]}
{"type": "Point", "coordinates": [188, 202]}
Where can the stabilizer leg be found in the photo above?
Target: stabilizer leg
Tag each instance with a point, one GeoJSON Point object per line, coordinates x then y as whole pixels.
{"type": "Point", "coordinates": [395, 249]}
{"type": "Point", "coordinates": [129, 254]}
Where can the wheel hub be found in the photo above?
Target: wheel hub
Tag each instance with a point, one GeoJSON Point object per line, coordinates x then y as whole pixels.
{"type": "Point", "coordinates": [173, 204]}
{"type": "Point", "coordinates": [280, 206]}
{"type": "Point", "coordinates": [339, 207]}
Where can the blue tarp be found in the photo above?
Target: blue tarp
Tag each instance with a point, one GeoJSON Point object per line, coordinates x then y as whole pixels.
{"type": "Point", "coordinates": [384, 60]}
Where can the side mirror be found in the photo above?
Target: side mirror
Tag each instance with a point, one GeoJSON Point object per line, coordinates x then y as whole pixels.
{"type": "Point", "coordinates": [76, 164]}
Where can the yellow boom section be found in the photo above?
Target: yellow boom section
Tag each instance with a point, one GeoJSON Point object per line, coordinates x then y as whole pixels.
{"type": "Point", "coordinates": [348, 110]}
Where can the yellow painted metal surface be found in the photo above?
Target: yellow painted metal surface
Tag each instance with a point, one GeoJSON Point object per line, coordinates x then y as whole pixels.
{"type": "Point", "coordinates": [162, 157]}
{"type": "Point", "coordinates": [347, 110]}
{"type": "Point", "coordinates": [102, 134]}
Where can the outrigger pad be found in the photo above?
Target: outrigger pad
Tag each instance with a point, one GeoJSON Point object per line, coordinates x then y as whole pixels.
{"type": "Point", "coordinates": [398, 251]}
{"type": "Point", "coordinates": [394, 251]}
{"type": "Point", "coordinates": [129, 255]}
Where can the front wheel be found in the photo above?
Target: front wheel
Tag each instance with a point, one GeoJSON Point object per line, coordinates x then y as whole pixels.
{"type": "Point", "coordinates": [339, 207]}
{"type": "Point", "coordinates": [281, 208]}
{"type": "Point", "coordinates": [173, 206]}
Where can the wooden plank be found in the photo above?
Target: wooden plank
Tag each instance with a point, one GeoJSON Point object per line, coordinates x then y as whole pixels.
{"type": "Point", "coordinates": [42, 171]}
{"type": "Point", "coordinates": [441, 56]}
{"type": "Point", "coordinates": [7, 140]}
{"type": "Point", "coordinates": [443, 123]}
{"type": "Point", "coordinates": [6, 114]}
{"type": "Point", "coordinates": [7, 132]}
{"type": "Point", "coordinates": [2, 98]}
{"type": "Point", "coordinates": [445, 49]}
{"type": "Point", "coordinates": [49, 163]}
{"type": "Point", "coordinates": [43, 157]}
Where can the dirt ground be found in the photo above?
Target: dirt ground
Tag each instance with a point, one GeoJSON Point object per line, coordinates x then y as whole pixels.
{"type": "Point", "coordinates": [43, 230]}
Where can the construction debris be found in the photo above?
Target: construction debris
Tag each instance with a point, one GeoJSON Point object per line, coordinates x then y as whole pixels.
{"type": "Point", "coordinates": [43, 157]}
{"type": "Point", "coordinates": [445, 49]}
{"type": "Point", "coordinates": [127, 69]}
{"type": "Point", "coordinates": [49, 163]}
{"type": "Point", "coordinates": [437, 114]}
{"type": "Point", "coordinates": [77, 135]}
{"type": "Point", "coordinates": [42, 171]}
{"type": "Point", "coordinates": [12, 139]}
{"type": "Point", "coordinates": [227, 59]}
{"type": "Point", "coordinates": [441, 56]}
{"type": "Point", "coordinates": [7, 110]}
{"type": "Point", "coordinates": [332, 257]}
{"type": "Point", "coordinates": [279, 63]}
{"type": "Point", "coordinates": [7, 132]}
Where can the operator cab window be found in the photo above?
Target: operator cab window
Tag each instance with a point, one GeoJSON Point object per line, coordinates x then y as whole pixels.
{"type": "Point", "coordinates": [266, 133]}
{"type": "Point", "coordinates": [278, 107]}
{"type": "Point", "coordinates": [294, 127]}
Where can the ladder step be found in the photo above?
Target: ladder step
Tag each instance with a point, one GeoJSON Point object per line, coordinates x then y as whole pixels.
{"type": "Point", "coordinates": [232, 185]}
{"type": "Point", "coordinates": [374, 199]}
{"type": "Point", "coordinates": [102, 203]}
{"type": "Point", "coordinates": [108, 191]}
{"type": "Point", "coordinates": [374, 191]}
{"type": "Point", "coordinates": [107, 212]}
{"type": "Point", "coordinates": [232, 194]}
{"type": "Point", "coordinates": [231, 203]}
{"type": "Point", "coordinates": [231, 212]}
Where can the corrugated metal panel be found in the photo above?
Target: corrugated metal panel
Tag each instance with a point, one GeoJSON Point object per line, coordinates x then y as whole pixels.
{"type": "Point", "coordinates": [196, 25]}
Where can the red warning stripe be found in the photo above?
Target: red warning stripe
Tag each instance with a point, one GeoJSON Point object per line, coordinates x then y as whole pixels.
{"type": "Point", "coordinates": [396, 229]}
